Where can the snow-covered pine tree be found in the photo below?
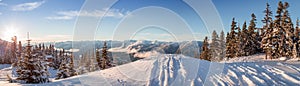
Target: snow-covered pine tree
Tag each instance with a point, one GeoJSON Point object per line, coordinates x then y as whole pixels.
{"type": "Point", "coordinates": [98, 59]}
{"type": "Point", "coordinates": [252, 44]}
{"type": "Point", "coordinates": [266, 20]}
{"type": "Point", "coordinates": [266, 31]}
{"type": "Point", "coordinates": [66, 68]}
{"type": "Point", "coordinates": [57, 60]}
{"type": "Point", "coordinates": [239, 43]}
{"type": "Point", "coordinates": [105, 60]}
{"type": "Point", "coordinates": [231, 41]}
{"type": "Point", "coordinates": [13, 50]}
{"type": "Point", "coordinates": [222, 45]}
{"type": "Point", "coordinates": [205, 51]}
{"type": "Point", "coordinates": [63, 70]}
{"type": "Point", "coordinates": [19, 60]}
{"type": "Point", "coordinates": [296, 51]}
{"type": "Point", "coordinates": [244, 39]}
{"type": "Point", "coordinates": [288, 30]}
{"type": "Point", "coordinates": [88, 62]}
{"type": "Point", "coordinates": [214, 46]}
{"type": "Point", "coordinates": [32, 68]}
{"type": "Point", "coordinates": [278, 34]}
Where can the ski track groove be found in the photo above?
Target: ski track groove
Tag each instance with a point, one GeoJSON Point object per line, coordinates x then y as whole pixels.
{"type": "Point", "coordinates": [253, 74]}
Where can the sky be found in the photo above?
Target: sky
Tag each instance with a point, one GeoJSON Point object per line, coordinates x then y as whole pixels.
{"type": "Point", "coordinates": [165, 20]}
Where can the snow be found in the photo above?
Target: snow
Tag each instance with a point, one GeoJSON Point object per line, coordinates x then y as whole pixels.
{"type": "Point", "coordinates": [171, 69]}
{"type": "Point", "coordinates": [282, 58]}
{"type": "Point", "coordinates": [48, 56]}
{"type": "Point", "coordinates": [182, 70]}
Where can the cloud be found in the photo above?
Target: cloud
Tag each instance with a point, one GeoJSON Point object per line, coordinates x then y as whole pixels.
{"type": "Point", "coordinates": [27, 6]}
{"type": "Point", "coordinates": [3, 4]}
{"type": "Point", "coordinates": [60, 18]}
{"type": "Point", "coordinates": [68, 15]}
{"type": "Point", "coordinates": [52, 38]}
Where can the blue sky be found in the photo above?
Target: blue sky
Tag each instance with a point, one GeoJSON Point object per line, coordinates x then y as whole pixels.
{"type": "Point", "coordinates": [54, 20]}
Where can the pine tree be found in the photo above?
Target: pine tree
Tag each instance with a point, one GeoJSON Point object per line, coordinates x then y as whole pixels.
{"type": "Point", "coordinates": [205, 51]}
{"type": "Point", "coordinates": [252, 44]}
{"type": "Point", "coordinates": [20, 49]}
{"type": "Point", "coordinates": [13, 50]}
{"type": "Point", "coordinates": [278, 34]}
{"type": "Point", "coordinates": [98, 59]}
{"type": "Point", "coordinates": [231, 41]}
{"type": "Point", "coordinates": [289, 31]}
{"type": "Point", "coordinates": [244, 39]}
{"type": "Point", "coordinates": [222, 45]}
{"type": "Point", "coordinates": [266, 42]}
{"type": "Point", "coordinates": [105, 61]}
{"type": "Point", "coordinates": [19, 60]}
{"type": "Point", "coordinates": [66, 68]}
{"type": "Point", "coordinates": [33, 69]}
{"type": "Point", "coordinates": [57, 60]}
{"type": "Point", "coordinates": [296, 51]}
{"type": "Point", "coordinates": [214, 46]}
{"type": "Point", "coordinates": [267, 20]}
{"type": "Point", "coordinates": [239, 43]}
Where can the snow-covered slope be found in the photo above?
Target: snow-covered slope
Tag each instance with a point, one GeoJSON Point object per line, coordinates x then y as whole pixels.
{"type": "Point", "coordinates": [180, 70]}
{"type": "Point", "coordinates": [183, 71]}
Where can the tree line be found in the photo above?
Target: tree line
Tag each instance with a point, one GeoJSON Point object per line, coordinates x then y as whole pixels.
{"type": "Point", "coordinates": [277, 38]}
{"type": "Point", "coordinates": [32, 63]}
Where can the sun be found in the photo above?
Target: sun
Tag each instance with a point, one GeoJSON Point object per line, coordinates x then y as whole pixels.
{"type": "Point", "coordinates": [9, 33]}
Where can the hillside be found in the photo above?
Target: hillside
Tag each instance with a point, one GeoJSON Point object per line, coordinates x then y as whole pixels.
{"type": "Point", "coordinates": [181, 70]}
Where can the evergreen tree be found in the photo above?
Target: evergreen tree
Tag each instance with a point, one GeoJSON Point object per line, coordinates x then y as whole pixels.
{"type": "Point", "coordinates": [231, 41]}
{"type": "Point", "coordinates": [205, 51]}
{"type": "Point", "coordinates": [283, 34]}
{"type": "Point", "coordinates": [19, 60]}
{"type": "Point", "coordinates": [13, 50]}
{"type": "Point", "coordinates": [105, 61]}
{"type": "Point", "coordinates": [267, 20]}
{"type": "Point", "coordinates": [57, 60]}
{"type": "Point", "coordinates": [244, 39]}
{"type": "Point", "coordinates": [222, 45]}
{"type": "Point", "coordinates": [98, 59]}
{"type": "Point", "coordinates": [214, 46]}
{"type": "Point", "coordinates": [278, 34]}
{"type": "Point", "coordinates": [33, 69]}
{"type": "Point", "coordinates": [296, 48]}
{"type": "Point", "coordinates": [239, 43]}
{"type": "Point", "coordinates": [288, 30]}
{"type": "Point", "coordinates": [66, 68]}
{"type": "Point", "coordinates": [252, 44]}
{"type": "Point", "coordinates": [20, 49]}
{"type": "Point", "coordinates": [266, 42]}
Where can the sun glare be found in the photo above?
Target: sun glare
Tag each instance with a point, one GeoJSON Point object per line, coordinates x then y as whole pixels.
{"type": "Point", "coordinates": [9, 33]}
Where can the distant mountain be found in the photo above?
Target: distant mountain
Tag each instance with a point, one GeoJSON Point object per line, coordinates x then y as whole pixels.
{"type": "Point", "coordinates": [144, 48]}
{"type": "Point", "coordinates": [132, 50]}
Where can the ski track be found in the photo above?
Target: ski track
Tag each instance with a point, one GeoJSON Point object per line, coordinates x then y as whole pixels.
{"type": "Point", "coordinates": [254, 73]}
